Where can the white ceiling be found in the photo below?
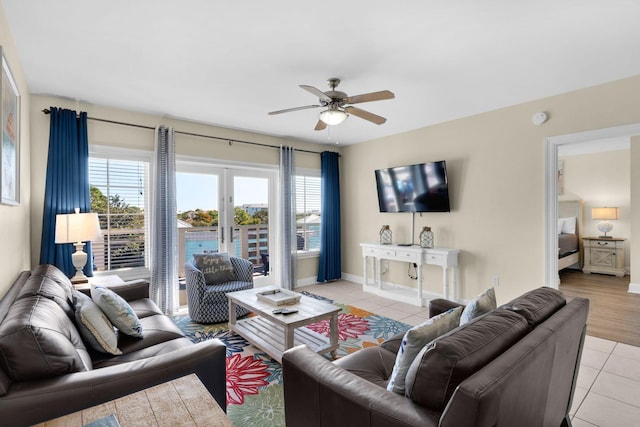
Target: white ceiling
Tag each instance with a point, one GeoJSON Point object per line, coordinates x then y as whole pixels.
{"type": "Point", "coordinates": [229, 63]}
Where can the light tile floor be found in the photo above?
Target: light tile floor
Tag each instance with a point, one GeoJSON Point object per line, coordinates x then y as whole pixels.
{"type": "Point", "coordinates": [608, 388]}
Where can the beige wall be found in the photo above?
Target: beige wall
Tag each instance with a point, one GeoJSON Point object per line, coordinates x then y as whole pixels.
{"type": "Point", "coordinates": [634, 261]}
{"type": "Point", "coordinates": [602, 179]}
{"type": "Point", "coordinates": [101, 133]}
{"type": "Point", "coordinates": [14, 220]}
{"type": "Point", "coordinates": [496, 176]}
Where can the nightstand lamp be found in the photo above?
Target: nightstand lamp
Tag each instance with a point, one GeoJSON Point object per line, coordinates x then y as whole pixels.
{"type": "Point", "coordinates": [78, 228]}
{"type": "Point", "coordinates": [605, 215]}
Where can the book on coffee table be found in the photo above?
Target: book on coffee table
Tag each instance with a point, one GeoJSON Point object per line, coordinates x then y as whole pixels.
{"type": "Point", "coordinates": [279, 296]}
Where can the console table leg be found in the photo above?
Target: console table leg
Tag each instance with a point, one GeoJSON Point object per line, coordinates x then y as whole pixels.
{"type": "Point", "coordinates": [445, 283]}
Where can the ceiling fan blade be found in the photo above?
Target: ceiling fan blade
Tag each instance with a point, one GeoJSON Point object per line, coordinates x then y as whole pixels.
{"type": "Point", "coordinates": [320, 125]}
{"type": "Point", "coordinates": [287, 110]}
{"type": "Point", "coordinates": [365, 115]}
{"type": "Point", "coordinates": [368, 97]}
{"type": "Point", "coordinates": [317, 92]}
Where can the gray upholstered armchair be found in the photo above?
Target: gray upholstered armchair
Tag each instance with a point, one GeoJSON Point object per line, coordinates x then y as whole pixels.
{"type": "Point", "coordinates": [208, 302]}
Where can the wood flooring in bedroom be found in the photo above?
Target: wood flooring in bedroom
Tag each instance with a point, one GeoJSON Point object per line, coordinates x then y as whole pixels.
{"type": "Point", "coordinates": [614, 313]}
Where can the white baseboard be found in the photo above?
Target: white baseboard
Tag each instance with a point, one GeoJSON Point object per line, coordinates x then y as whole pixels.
{"type": "Point", "coordinates": [352, 278]}
{"type": "Point", "coordinates": [308, 281]}
{"type": "Point", "coordinates": [634, 288]}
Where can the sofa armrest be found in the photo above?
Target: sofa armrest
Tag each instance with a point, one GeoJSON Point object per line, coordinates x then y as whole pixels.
{"type": "Point", "coordinates": [440, 305]}
{"type": "Point", "coordinates": [36, 401]}
{"type": "Point", "coordinates": [129, 291]}
{"type": "Point", "coordinates": [132, 290]}
{"type": "Point", "coordinates": [319, 393]}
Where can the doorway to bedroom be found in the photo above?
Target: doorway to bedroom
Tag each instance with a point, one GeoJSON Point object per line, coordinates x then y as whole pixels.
{"type": "Point", "coordinates": [586, 172]}
{"type": "Point", "coordinates": [559, 145]}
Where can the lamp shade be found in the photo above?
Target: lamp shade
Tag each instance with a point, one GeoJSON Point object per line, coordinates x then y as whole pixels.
{"type": "Point", "coordinates": [77, 227]}
{"type": "Point", "coordinates": [333, 116]}
{"type": "Point", "coordinates": [605, 214]}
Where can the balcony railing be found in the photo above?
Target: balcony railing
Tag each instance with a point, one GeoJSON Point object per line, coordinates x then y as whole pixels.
{"type": "Point", "coordinates": [125, 248]}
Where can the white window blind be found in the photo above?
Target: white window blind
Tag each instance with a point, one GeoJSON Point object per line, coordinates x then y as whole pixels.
{"type": "Point", "coordinates": [308, 215]}
{"type": "Point", "coordinates": [118, 196]}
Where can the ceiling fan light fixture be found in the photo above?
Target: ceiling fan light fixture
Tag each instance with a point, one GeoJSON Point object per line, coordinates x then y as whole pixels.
{"type": "Point", "coordinates": [333, 116]}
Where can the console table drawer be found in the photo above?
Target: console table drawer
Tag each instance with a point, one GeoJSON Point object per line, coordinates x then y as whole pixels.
{"type": "Point", "coordinates": [407, 256]}
{"type": "Point", "coordinates": [386, 252]}
{"type": "Point", "coordinates": [380, 252]}
{"type": "Point", "coordinates": [435, 259]}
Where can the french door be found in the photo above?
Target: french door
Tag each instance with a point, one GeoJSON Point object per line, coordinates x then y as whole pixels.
{"type": "Point", "coordinates": [227, 209]}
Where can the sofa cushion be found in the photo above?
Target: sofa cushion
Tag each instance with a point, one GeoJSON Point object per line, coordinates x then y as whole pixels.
{"type": "Point", "coordinates": [117, 310]}
{"type": "Point", "coordinates": [37, 341]}
{"type": "Point", "coordinates": [157, 329]}
{"type": "Point", "coordinates": [48, 281]}
{"type": "Point", "coordinates": [415, 339]}
{"type": "Point", "coordinates": [483, 303]}
{"type": "Point", "coordinates": [144, 307]}
{"type": "Point", "coordinates": [447, 361]}
{"type": "Point", "coordinates": [537, 305]}
{"type": "Point", "coordinates": [216, 268]}
{"type": "Point", "coordinates": [143, 353]}
{"type": "Point", "coordinates": [373, 364]}
{"type": "Point", "coordinates": [94, 326]}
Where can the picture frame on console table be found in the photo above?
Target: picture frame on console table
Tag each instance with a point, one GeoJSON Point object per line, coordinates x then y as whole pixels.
{"type": "Point", "coordinates": [10, 136]}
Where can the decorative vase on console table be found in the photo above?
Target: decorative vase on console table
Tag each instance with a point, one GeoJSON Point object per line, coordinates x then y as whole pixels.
{"type": "Point", "coordinates": [385, 235]}
{"type": "Point", "coordinates": [426, 238]}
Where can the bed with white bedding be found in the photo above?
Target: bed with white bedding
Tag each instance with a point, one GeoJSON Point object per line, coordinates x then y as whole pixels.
{"type": "Point", "coordinates": [570, 220]}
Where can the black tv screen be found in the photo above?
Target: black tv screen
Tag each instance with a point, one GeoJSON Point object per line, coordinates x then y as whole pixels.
{"type": "Point", "coordinates": [414, 188]}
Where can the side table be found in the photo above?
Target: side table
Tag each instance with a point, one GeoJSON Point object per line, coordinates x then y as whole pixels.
{"type": "Point", "coordinates": [604, 255]}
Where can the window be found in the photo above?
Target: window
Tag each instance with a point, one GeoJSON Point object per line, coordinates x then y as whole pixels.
{"type": "Point", "coordinates": [308, 215]}
{"type": "Point", "coordinates": [118, 190]}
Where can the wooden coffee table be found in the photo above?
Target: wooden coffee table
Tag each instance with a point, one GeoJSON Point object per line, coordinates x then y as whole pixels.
{"type": "Point", "coordinates": [183, 401]}
{"type": "Point", "coordinates": [276, 333]}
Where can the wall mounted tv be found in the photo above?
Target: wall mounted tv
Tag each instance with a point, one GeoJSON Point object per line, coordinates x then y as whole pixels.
{"type": "Point", "coordinates": [414, 188]}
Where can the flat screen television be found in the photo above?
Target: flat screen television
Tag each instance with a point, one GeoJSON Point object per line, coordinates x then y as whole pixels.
{"type": "Point", "coordinates": [414, 188]}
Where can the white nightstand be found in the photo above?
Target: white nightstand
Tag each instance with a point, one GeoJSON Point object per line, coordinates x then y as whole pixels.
{"type": "Point", "coordinates": [604, 256]}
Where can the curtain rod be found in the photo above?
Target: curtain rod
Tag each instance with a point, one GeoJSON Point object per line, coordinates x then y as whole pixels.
{"type": "Point", "coordinates": [229, 140]}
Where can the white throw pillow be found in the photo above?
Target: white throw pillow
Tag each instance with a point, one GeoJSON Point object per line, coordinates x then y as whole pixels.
{"type": "Point", "coordinates": [415, 339]}
{"type": "Point", "coordinates": [569, 225]}
{"type": "Point", "coordinates": [117, 310]}
{"type": "Point", "coordinates": [94, 326]}
{"type": "Point", "coordinates": [483, 303]}
{"type": "Point", "coordinates": [560, 224]}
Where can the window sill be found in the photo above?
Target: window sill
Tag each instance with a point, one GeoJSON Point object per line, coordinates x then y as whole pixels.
{"type": "Point", "coordinates": [307, 254]}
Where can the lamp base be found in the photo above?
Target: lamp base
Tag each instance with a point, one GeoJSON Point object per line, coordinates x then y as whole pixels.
{"type": "Point", "coordinates": [76, 280]}
{"type": "Point", "coordinates": [79, 260]}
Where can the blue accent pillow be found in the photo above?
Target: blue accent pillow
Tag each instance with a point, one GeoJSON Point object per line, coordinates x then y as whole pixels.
{"type": "Point", "coordinates": [94, 326]}
{"type": "Point", "coordinates": [117, 310]}
{"type": "Point", "coordinates": [415, 339]}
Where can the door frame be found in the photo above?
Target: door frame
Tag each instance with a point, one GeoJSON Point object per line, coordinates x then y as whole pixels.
{"type": "Point", "coordinates": [225, 170]}
{"type": "Point", "coordinates": [551, 187]}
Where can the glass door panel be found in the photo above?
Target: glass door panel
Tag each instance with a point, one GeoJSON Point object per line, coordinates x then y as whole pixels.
{"type": "Point", "coordinates": [198, 214]}
{"type": "Point", "coordinates": [250, 220]}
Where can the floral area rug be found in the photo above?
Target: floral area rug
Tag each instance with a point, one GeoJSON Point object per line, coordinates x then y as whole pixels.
{"type": "Point", "coordinates": [254, 380]}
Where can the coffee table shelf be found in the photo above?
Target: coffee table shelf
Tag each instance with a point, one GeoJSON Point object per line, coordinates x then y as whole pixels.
{"type": "Point", "coordinates": [269, 337]}
{"type": "Point", "coordinates": [276, 333]}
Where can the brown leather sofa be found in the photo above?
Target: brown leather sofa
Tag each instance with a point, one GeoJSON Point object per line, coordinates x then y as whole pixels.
{"type": "Point", "coordinates": [514, 366]}
{"type": "Point", "coordinates": [47, 371]}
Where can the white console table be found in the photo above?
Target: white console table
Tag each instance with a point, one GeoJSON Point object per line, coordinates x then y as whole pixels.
{"type": "Point", "coordinates": [443, 257]}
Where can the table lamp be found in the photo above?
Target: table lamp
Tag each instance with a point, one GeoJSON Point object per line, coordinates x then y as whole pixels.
{"type": "Point", "coordinates": [77, 228]}
{"type": "Point", "coordinates": [605, 215]}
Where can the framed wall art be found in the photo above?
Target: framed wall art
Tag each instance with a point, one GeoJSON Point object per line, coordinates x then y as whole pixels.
{"type": "Point", "coordinates": [10, 136]}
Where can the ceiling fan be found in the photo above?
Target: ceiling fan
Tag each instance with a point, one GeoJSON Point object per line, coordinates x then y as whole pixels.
{"type": "Point", "coordinates": [336, 103]}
